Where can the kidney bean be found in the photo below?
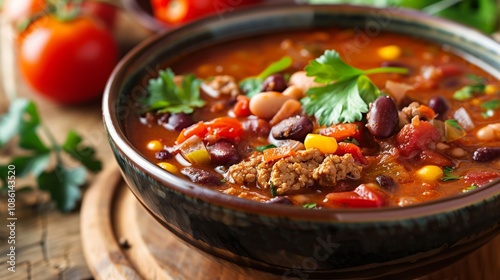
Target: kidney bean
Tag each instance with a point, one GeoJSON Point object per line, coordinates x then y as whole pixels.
{"type": "Point", "coordinates": [163, 155]}
{"type": "Point", "coordinates": [383, 118]}
{"type": "Point", "coordinates": [386, 182]}
{"type": "Point", "coordinates": [223, 152]}
{"type": "Point", "coordinates": [485, 154]}
{"type": "Point", "coordinates": [178, 122]}
{"type": "Point", "coordinates": [280, 200]}
{"type": "Point", "coordinates": [439, 105]}
{"type": "Point", "coordinates": [295, 128]}
{"type": "Point", "coordinates": [201, 176]}
{"type": "Point", "coordinates": [275, 82]}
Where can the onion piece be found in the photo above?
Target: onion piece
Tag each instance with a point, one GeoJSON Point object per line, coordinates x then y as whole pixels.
{"type": "Point", "coordinates": [398, 90]}
{"type": "Point", "coordinates": [464, 119]}
{"type": "Point", "coordinates": [194, 151]}
{"type": "Point", "coordinates": [210, 90]}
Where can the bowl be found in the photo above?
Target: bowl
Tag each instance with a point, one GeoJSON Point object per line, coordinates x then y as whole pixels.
{"type": "Point", "coordinates": [266, 240]}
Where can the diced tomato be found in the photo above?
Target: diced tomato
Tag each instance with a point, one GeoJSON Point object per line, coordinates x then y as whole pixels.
{"type": "Point", "coordinates": [223, 127]}
{"type": "Point", "coordinates": [343, 131]}
{"type": "Point", "coordinates": [412, 139]}
{"type": "Point", "coordinates": [242, 108]}
{"type": "Point", "coordinates": [449, 70]}
{"type": "Point", "coordinates": [363, 196]}
{"type": "Point", "coordinates": [274, 154]}
{"type": "Point", "coordinates": [198, 129]}
{"type": "Point", "coordinates": [431, 157]}
{"type": "Point", "coordinates": [480, 177]}
{"type": "Point", "coordinates": [355, 151]}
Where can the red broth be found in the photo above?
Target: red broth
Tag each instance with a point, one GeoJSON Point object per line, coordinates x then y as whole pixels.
{"type": "Point", "coordinates": [409, 166]}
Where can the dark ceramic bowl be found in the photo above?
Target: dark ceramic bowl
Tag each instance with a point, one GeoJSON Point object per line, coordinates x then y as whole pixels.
{"type": "Point", "coordinates": [289, 241]}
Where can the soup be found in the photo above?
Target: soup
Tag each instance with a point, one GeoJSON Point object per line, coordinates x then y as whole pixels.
{"type": "Point", "coordinates": [316, 119]}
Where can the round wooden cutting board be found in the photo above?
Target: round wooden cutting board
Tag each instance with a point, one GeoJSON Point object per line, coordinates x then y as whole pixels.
{"type": "Point", "coordinates": [122, 241]}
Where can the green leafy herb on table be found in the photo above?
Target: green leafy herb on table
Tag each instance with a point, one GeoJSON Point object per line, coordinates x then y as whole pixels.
{"type": "Point", "coordinates": [253, 85]}
{"type": "Point", "coordinates": [347, 90]}
{"type": "Point", "coordinates": [480, 14]}
{"type": "Point", "coordinates": [166, 96]}
{"type": "Point", "coordinates": [62, 182]}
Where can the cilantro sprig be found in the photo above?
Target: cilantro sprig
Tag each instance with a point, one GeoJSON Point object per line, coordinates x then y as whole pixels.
{"type": "Point", "coordinates": [347, 90]}
{"type": "Point", "coordinates": [253, 85]}
{"type": "Point", "coordinates": [477, 87]}
{"type": "Point", "coordinates": [448, 175]}
{"type": "Point", "coordinates": [22, 122]}
{"type": "Point", "coordinates": [165, 96]}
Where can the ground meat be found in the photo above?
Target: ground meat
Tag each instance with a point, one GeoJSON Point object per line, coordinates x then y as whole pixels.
{"type": "Point", "coordinates": [335, 168]}
{"type": "Point", "coordinates": [245, 171]}
{"type": "Point", "coordinates": [301, 170]}
{"type": "Point", "coordinates": [294, 172]}
{"type": "Point", "coordinates": [411, 111]}
{"type": "Point", "coordinates": [225, 85]}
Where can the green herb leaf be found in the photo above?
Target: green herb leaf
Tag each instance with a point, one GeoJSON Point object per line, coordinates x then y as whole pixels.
{"type": "Point", "coordinates": [490, 105]}
{"type": "Point", "coordinates": [468, 189]}
{"type": "Point", "coordinates": [165, 96]}
{"type": "Point", "coordinates": [454, 123]}
{"type": "Point", "coordinates": [347, 90]}
{"type": "Point", "coordinates": [469, 91]}
{"type": "Point", "coordinates": [84, 154]}
{"type": "Point", "coordinates": [263, 148]}
{"type": "Point", "coordinates": [253, 85]}
{"type": "Point", "coordinates": [448, 176]}
{"type": "Point", "coordinates": [273, 190]}
{"type": "Point", "coordinates": [22, 113]}
{"type": "Point", "coordinates": [63, 185]}
{"type": "Point", "coordinates": [309, 205]}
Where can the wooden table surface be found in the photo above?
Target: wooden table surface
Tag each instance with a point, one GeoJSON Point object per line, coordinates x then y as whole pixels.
{"type": "Point", "coordinates": [48, 242]}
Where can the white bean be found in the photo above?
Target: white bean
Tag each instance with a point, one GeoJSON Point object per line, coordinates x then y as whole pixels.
{"type": "Point", "coordinates": [294, 92]}
{"type": "Point", "coordinates": [288, 109]}
{"type": "Point", "coordinates": [490, 132]}
{"type": "Point", "coordinates": [266, 104]}
{"type": "Point", "coordinates": [302, 81]}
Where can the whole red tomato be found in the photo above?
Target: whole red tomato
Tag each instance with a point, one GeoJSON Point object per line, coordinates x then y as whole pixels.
{"type": "Point", "coordinates": [67, 61]}
{"type": "Point", "coordinates": [182, 11]}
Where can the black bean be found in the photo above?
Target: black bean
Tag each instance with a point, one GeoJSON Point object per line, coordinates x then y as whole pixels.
{"type": "Point", "coordinates": [280, 200]}
{"type": "Point", "coordinates": [383, 118]}
{"type": "Point", "coordinates": [275, 82]}
{"type": "Point", "coordinates": [439, 105]}
{"type": "Point", "coordinates": [163, 155]}
{"type": "Point", "coordinates": [295, 128]}
{"type": "Point", "coordinates": [202, 176]}
{"type": "Point", "coordinates": [485, 154]}
{"type": "Point", "coordinates": [178, 122]}
{"type": "Point", "coordinates": [223, 152]}
{"type": "Point", "coordinates": [386, 182]}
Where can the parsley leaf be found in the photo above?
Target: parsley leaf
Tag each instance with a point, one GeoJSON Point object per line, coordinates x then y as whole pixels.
{"type": "Point", "coordinates": [263, 148]}
{"type": "Point", "coordinates": [347, 90]}
{"type": "Point", "coordinates": [84, 154]}
{"type": "Point", "coordinates": [468, 189]}
{"type": "Point", "coordinates": [489, 108]}
{"type": "Point", "coordinates": [448, 176]}
{"type": "Point", "coordinates": [273, 190]}
{"type": "Point", "coordinates": [63, 183]}
{"type": "Point", "coordinates": [253, 85]}
{"type": "Point", "coordinates": [165, 96]}
{"type": "Point", "coordinates": [468, 92]}
{"type": "Point", "coordinates": [309, 205]}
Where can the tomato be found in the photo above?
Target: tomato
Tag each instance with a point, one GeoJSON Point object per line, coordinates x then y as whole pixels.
{"type": "Point", "coordinates": [19, 10]}
{"type": "Point", "coordinates": [412, 139]}
{"type": "Point", "coordinates": [223, 127]}
{"type": "Point", "coordinates": [354, 150]}
{"type": "Point", "coordinates": [364, 196]}
{"type": "Point", "coordinates": [67, 61]}
{"type": "Point", "coordinates": [181, 11]}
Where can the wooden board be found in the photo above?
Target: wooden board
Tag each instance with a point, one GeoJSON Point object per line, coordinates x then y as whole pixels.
{"type": "Point", "coordinates": [122, 241]}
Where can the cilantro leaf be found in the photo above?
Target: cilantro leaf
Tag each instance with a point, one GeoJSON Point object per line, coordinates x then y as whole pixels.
{"type": "Point", "coordinates": [347, 90]}
{"type": "Point", "coordinates": [21, 112]}
{"type": "Point", "coordinates": [272, 188]}
{"type": "Point", "coordinates": [470, 188]}
{"type": "Point", "coordinates": [253, 85]}
{"type": "Point", "coordinates": [309, 205]}
{"type": "Point", "coordinates": [63, 185]}
{"type": "Point", "coordinates": [490, 105]}
{"type": "Point", "coordinates": [448, 176]}
{"type": "Point", "coordinates": [263, 148]}
{"type": "Point", "coordinates": [469, 91]}
{"type": "Point", "coordinates": [330, 67]}
{"type": "Point", "coordinates": [84, 154]}
{"type": "Point", "coordinates": [165, 96]}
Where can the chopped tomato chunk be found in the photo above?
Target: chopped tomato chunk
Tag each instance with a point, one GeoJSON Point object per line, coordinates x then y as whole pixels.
{"type": "Point", "coordinates": [355, 151]}
{"type": "Point", "coordinates": [412, 139]}
{"type": "Point", "coordinates": [364, 196]}
{"type": "Point", "coordinates": [343, 131]}
{"type": "Point", "coordinates": [480, 177]}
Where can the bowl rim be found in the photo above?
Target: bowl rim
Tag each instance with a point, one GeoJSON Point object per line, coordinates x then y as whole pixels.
{"type": "Point", "coordinates": [117, 138]}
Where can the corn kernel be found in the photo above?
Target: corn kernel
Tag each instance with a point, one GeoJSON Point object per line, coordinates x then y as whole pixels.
{"type": "Point", "coordinates": [430, 173]}
{"type": "Point", "coordinates": [325, 144]}
{"type": "Point", "coordinates": [475, 101]}
{"type": "Point", "coordinates": [490, 89]}
{"type": "Point", "coordinates": [389, 52]}
{"type": "Point", "coordinates": [169, 167]}
{"type": "Point", "coordinates": [154, 146]}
